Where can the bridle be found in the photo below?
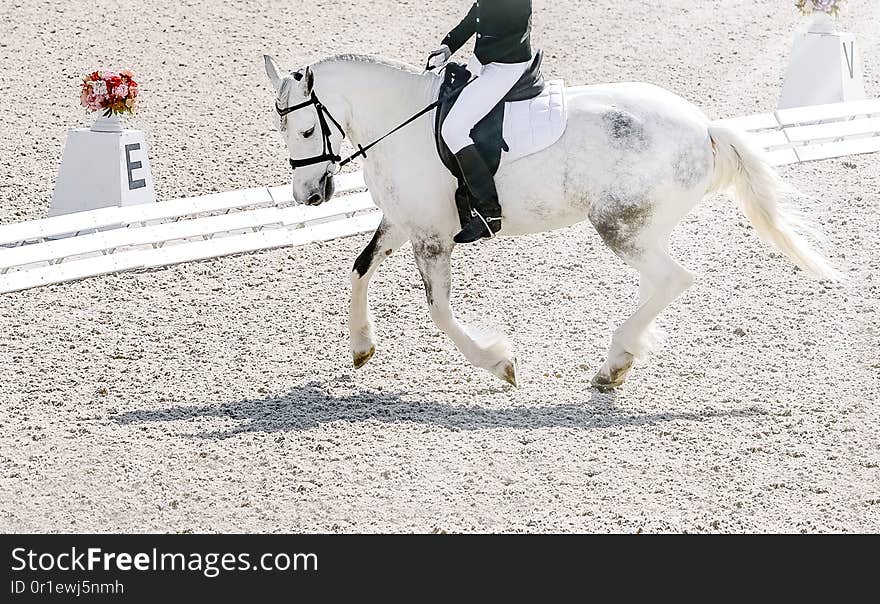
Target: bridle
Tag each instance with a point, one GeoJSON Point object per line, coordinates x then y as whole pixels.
{"type": "Point", "coordinates": [327, 153]}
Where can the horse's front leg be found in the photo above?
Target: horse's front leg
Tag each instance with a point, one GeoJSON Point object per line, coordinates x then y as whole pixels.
{"type": "Point", "coordinates": [485, 350]}
{"type": "Point", "coordinates": [387, 238]}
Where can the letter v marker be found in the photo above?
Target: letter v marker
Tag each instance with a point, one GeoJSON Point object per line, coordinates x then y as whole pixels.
{"type": "Point", "coordinates": [850, 58]}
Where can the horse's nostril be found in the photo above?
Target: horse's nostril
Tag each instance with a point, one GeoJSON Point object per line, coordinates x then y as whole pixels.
{"type": "Point", "coordinates": [314, 200]}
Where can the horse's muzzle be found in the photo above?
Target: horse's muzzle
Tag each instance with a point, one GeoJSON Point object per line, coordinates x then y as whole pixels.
{"type": "Point", "coordinates": [326, 189]}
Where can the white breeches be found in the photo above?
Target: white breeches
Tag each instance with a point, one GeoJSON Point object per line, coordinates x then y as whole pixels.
{"type": "Point", "coordinates": [478, 99]}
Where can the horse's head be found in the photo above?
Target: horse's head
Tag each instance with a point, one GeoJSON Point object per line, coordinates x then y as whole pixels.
{"type": "Point", "coordinates": [310, 136]}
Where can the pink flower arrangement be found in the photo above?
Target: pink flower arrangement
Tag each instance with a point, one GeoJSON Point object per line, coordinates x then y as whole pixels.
{"type": "Point", "coordinates": [110, 91]}
{"type": "Point", "coordinates": [832, 7]}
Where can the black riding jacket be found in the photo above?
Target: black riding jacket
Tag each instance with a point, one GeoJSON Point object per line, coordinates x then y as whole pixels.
{"type": "Point", "coordinates": [503, 29]}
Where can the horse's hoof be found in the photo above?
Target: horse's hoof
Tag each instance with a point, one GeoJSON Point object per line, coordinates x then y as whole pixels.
{"type": "Point", "coordinates": [506, 370]}
{"type": "Point", "coordinates": [602, 383]}
{"type": "Point", "coordinates": [362, 358]}
{"type": "Point", "coordinates": [613, 379]}
{"type": "Point", "coordinates": [606, 383]}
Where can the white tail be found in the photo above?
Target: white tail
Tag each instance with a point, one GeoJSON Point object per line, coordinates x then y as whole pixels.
{"type": "Point", "coordinates": [758, 188]}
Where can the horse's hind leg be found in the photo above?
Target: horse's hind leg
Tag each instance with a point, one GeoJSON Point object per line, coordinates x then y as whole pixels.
{"type": "Point", "coordinates": [487, 351]}
{"type": "Point", "coordinates": [363, 340]}
{"type": "Point", "coordinates": [632, 339]}
{"type": "Point", "coordinates": [633, 237]}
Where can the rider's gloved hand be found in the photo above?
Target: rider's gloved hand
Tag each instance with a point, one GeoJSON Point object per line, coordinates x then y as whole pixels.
{"type": "Point", "coordinates": [438, 57]}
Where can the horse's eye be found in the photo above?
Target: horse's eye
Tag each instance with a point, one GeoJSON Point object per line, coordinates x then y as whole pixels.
{"type": "Point", "coordinates": [308, 133]}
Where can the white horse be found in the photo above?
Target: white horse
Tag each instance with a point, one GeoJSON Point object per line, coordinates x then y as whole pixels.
{"type": "Point", "coordinates": [634, 160]}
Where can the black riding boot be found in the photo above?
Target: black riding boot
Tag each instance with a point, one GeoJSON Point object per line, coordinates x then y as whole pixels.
{"type": "Point", "coordinates": [486, 215]}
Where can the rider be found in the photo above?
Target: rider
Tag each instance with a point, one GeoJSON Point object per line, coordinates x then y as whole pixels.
{"type": "Point", "coordinates": [502, 55]}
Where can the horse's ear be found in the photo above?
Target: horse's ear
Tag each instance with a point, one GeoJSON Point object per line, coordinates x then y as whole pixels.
{"type": "Point", "coordinates": [272, 71]}
{"type": "Point", "coordinates": [310, 81]}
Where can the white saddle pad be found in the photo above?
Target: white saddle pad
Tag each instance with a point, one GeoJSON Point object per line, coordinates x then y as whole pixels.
{"type": "Point", "coordinates": [533, 125]}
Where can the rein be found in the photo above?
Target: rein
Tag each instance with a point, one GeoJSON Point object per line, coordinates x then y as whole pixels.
{"type": "Point", "coordinates": [327, 153]}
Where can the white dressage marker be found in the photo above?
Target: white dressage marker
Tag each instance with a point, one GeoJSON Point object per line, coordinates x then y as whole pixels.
{"type": "Point", "coordinates": [825, 67]}
{"type": "Point", "coordinates": [211, 226]}
{"type": "Point", "coordinates": [103, 167]}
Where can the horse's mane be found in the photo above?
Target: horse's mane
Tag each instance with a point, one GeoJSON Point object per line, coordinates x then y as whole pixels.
{"type": "Point", "coordinates": [372, 59]}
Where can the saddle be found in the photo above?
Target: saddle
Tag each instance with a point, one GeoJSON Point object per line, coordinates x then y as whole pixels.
{"type": "Point", "coordinates": [488, 134]}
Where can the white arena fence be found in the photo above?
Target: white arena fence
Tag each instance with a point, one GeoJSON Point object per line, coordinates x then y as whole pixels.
{"type": "Point", "coordinates": [801, 134]}
{"type": "Point", "coordinates": [111, 240]}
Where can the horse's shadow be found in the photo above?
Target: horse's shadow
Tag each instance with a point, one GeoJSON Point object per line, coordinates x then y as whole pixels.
{"type": "Point", "coordinates": [311, 405]}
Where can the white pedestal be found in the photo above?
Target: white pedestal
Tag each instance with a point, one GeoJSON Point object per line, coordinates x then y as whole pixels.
{"type": "Point", "coordinates": [825, 67]}
{"type": "Point", "coordinates": [101, 169]}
